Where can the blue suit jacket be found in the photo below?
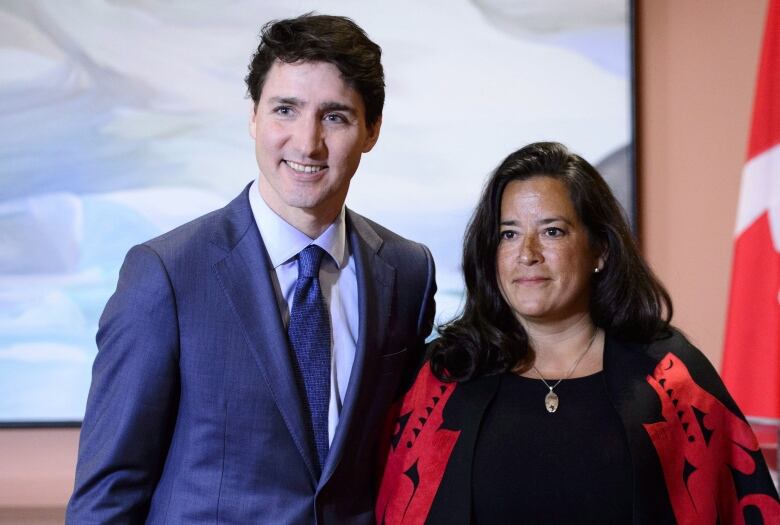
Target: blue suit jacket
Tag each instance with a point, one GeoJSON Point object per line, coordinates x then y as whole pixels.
{"type": "Point", "coordinates": [193, 414]}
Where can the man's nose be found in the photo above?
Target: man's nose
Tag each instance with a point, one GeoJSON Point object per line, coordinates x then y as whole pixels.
{"type": "Point", "coordinates": [309, 138]}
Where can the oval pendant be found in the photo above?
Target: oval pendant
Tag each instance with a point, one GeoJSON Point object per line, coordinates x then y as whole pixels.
{"type": "Point", "coordinates": [551, 402]}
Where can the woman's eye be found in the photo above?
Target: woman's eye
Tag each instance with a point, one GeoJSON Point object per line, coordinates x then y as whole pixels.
{"type": "Point", "coordinates": [553, 232]}
{"type": "Point", "coordinates": [507, 235]}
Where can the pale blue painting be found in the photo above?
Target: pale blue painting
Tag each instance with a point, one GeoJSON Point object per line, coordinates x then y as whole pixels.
{"type": "Point", "coordinates": [120, 119]}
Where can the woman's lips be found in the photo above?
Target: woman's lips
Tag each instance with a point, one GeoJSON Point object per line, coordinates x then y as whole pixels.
{"type": "Point", "coordinates": [531, 280]}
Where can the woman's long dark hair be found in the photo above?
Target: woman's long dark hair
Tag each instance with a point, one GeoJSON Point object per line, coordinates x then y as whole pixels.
{"type": "Point", "coordinates": [626, 298]}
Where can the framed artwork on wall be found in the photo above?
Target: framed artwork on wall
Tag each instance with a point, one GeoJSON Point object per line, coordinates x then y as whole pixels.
{"type": "Point", "coordinates": [122, 119]}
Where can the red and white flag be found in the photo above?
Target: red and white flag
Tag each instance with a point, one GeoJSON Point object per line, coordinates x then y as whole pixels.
{"type": "Point", "coordinates": [751, 359]}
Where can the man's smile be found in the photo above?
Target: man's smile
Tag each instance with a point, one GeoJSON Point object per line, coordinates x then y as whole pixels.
{"type": "Point", "coordinates": [304, 168]}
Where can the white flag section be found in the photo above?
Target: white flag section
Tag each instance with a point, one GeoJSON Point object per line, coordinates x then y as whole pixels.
{"type": "Point", "coordinates": [759, 193]}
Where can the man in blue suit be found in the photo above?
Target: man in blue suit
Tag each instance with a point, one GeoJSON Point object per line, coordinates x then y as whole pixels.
{"type": "Point", "coordinates": [247, 359]}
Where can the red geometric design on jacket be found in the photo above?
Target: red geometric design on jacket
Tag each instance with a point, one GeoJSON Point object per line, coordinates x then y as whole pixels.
{"type": "Point", "coordinates": [419, 452]}
{"type": "Point", "coordinates": [696, 443]}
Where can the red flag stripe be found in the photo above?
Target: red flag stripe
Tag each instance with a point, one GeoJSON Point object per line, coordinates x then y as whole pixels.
{"type": "Point", "coordinates": [751, 359]}
{"type": "Point", "coordinates": [751, 354]}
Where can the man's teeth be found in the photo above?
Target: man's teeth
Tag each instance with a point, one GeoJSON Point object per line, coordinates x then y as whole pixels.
{"type": "Point", "coordinates": [304, 168]}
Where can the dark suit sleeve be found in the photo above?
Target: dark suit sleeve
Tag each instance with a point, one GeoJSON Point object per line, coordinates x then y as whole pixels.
{"type": "Point", "coordinates": [428, 306]}
{"type": "Point", "coordinates": [425, 320]}
{"type": "Point", "coordinates": [133, 397]}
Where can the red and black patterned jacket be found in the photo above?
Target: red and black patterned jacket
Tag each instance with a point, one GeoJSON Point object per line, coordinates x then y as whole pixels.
{"type": "Point", "coordinates": [694, 458]}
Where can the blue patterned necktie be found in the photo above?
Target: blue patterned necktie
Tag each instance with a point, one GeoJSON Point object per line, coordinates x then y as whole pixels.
{"type": "Point", "coordinates": [309, 334]}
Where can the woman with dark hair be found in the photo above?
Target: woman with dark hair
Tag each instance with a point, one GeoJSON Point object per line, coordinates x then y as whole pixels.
{"type": "Point", "coordinates": [561, 394]}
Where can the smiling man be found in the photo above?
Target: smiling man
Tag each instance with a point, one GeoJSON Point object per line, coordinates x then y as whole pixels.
{"type": "Point", "coordinates": [247, 359]}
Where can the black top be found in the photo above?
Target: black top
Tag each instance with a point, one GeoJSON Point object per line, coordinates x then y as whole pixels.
{"type": "Point", "coordinates": [531, 466]}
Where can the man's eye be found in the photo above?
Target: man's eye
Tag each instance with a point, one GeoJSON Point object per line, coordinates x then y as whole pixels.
{"type": "Point", "coordinates": [283, 110]}
{"type": "Point", "coordinates": [334, 117]}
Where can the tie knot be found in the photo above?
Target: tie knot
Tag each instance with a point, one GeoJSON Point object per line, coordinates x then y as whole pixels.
{"type": "Point", "coordinates": [309, 260]}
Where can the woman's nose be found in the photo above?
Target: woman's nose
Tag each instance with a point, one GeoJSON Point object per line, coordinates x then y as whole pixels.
{"type": "Point", "coordinates": [529, 250]}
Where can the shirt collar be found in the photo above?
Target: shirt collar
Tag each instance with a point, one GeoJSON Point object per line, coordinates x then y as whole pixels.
{"type": "Point", "coordinates": [283, 241]}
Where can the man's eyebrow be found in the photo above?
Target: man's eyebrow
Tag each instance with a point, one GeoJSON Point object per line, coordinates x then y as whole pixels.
{"type": "Point", "coordinates": [287, 101]}
{"type": "Point", "coordinates": [336, 106]}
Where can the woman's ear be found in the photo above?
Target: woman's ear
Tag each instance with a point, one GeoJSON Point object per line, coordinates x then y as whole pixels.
{"type": "Point", "coordinates": [601, 260]}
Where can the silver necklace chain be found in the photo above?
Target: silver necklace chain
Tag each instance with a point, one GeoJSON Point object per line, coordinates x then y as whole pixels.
{"type": "Point", "coordinates": [551, 399]}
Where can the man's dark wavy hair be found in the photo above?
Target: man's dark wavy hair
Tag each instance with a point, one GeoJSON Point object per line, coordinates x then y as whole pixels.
{"type": "Point", "coordinates": [626, 299]}
{"type": "Point", "coordinates": [322, 38]}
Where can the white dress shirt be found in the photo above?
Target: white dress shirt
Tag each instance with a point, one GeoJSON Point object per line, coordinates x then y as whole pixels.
{"type": "Point", "coordinates": [338, 281]}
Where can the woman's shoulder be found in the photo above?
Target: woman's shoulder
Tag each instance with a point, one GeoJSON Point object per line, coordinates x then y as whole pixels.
{"type": "Point", "coordinates": [680, 362]}
{"type": "Point", "coordinates": [426, 385]}
{"type": "Point", "coordinates": [429, 389]}
{"type": "Point", "coordinates": [674, 341]}
{"type": "Point", "coordinates": [669, 341]}
{"type": "Point", "coordinates": [669, 353]}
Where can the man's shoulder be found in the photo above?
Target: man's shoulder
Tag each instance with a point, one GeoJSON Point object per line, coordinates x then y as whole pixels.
{"type": "Point", "coordinates": [412, 260]}
{"type": "Point", "coordinates": [222, 227]}
{"type": "Point", "coordinates": [389, 239]}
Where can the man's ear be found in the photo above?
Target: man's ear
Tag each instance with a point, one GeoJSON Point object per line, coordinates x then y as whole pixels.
{"type": "Point", "coordinates": [373, 135]}
{"type": "Point", "coordinates": [253, 120]}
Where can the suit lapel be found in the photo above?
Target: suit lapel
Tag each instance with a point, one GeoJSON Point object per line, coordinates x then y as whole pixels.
{"type": "Point", "coordinates": [245, 275]}
{"type": "Point", "coordinates": [376, 282]}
